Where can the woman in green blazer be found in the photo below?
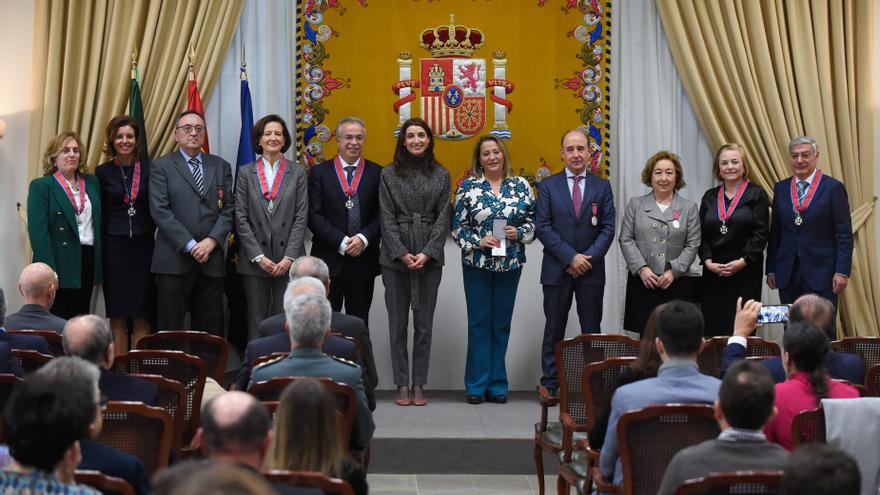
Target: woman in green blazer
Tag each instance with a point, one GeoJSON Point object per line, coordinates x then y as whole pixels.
{"type": "Point", "coordinates": [64, 224]}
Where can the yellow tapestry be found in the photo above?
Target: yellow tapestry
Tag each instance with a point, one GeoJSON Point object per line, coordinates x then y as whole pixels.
{"type": "Point", "coordinates": [523, 70]}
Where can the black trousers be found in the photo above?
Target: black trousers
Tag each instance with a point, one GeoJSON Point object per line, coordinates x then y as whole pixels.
{"type": "Point", "coordinates": [72, 302]}
{"type": "Point", "coordinates": [195, 292]}
{"type": "Point", "coordinates": [557, 302]}
{"type": "Point", "coordinates": [354, 290]}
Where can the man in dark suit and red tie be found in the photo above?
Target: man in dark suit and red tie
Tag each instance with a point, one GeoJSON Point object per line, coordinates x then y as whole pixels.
{"type": "Point", "coordinates": [191, 203]}
{"type": "Point", "coordinates": [811, 242]}
{"type": "Point", "coordinates": [344, 218]}
{"type": "Point", "coordinates": [575, 222]}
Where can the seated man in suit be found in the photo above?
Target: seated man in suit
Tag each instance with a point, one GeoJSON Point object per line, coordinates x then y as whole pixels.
{"type": "Point", "coordinates": [350, 326]}
{"type": "Point", "coordinates": [264, 346]}
{"type": "Point", "coordinates": [745, 403]}
{"type": "Point", "coordinates": [37, 285]}
{"type": "Point", "coordinates": [820, 469]}
{"type": "Point", "coordinates": [30, 342]}
{"type": "Point", "coordinates": [8, 362]}
{"type": "Point", "coordinates": [679, 341]}
{"type": "Point", "coordinates": [89, 337]}
{"type": "Point", "coordinates": [810, 308]}
{"type": "Point", "coordinates": [308, 318]}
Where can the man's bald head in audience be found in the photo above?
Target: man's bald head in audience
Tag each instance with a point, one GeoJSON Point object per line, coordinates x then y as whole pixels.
{"type": "Point", "coordinates": [309, 266]}
{"type": "Point", "coordinates": [37, 284]}
{"type": "Point", "coordinates": [89, 337]}
{"type": "Point", "coordinates": [816, 310]}
{"type": "Point", "coordinates": [236, 428]}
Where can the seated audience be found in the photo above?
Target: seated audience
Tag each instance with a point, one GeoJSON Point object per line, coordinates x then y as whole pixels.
{"type": "Point", "coordinates": [31, 342]}
{"type": "Point", "coordinates": [43, 424]}
{"type": "Point", "coordinates": [820, 469]}
{"type": "Point", "coordinates": [679, 341]}
{"type": "Point", "coordinates": [224, 480]}
{"type": "Point", "coordinates": [264, 346]}
{"type": "Point", "coordinates": [8, 362]}
{"type": "Point", "coordinates": [806, 351]}
{"type": "Point", "coordinates": [307, 436]}
{"type": "Point", "coordinates": [348, 325]}
{"type": "Point", "coordinates": [810, 308]}
{"type": "Point", "coordinates": [90, 337]}
{"type": "Point", "coordinates": [745, 404]}
{"type": "Point", "coordinates": [37, 285]}
{"type": "Point", "coordinates": [308, 318]}
{"type": "Point", "coordinates": [645, 366]}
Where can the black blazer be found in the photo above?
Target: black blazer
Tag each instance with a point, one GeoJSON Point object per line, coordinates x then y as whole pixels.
{"type": "Point", "coordinates": [840, 365]}
{"type": "Point", "coordinates": [128, 388]}
{"type": "Point", "coordinates": [8, 362]}
{"type": "Point", "coordinates": [114, 210]}
{"type": "Point", "coordinates": [31, 342]}
{"type": "Point", "coordinates": [328, 217]}
{"type": "Point", "coordinates": [747, 229]}
{"type": "Point", "coordinates": [35, 317]}
{"type": "Point", "coordinates": [112, 462]}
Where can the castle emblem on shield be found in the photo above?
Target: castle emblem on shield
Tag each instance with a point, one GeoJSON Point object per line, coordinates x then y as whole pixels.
{"type": "Point", "coordinates": [453, 83]}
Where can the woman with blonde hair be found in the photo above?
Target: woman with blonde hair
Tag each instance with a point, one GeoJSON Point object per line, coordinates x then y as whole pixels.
{"type": "Point", "coordinates": [307, 436]}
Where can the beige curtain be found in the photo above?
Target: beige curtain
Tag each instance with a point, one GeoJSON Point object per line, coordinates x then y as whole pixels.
{"type": "Point", "coordinates": [82, 56]}
{"type": "Point", "coordinates": [760, 72]}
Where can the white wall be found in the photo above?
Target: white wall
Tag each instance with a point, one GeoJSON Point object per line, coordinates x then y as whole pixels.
{"type": "Point", "coordinates": [16, 33]}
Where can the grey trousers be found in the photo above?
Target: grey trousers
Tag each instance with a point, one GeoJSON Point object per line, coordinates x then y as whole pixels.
{"type": "Point", "coordinates": [265, 298]}
{"type": "Point", "coordinates": [397, 302]}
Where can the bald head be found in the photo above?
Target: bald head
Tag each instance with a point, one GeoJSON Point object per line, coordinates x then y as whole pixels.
{"type": "Point", "coordinates": [89, 337]}
{"type": "Point", "coordinates": [37, 284]}
{"type": "Point", "coordinates": [235, 424]}
{"type": "Point", "coordinates": [816, 310]}
{"type": "Point", "coordinates": [309, 266]}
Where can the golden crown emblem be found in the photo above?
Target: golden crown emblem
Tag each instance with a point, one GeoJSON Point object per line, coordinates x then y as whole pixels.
{"type": "Point", "coordinates": [451, 40]}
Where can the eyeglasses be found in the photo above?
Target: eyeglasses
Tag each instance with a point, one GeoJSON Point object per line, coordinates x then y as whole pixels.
{"type": "Point", "coordinates": [102, 402]}
{"type": "Point", "coordinates": [189, 128]}
{"type": "Point", "coordinates": [353, 139]}
{"type": "Point", "coordinates": [806, 155]}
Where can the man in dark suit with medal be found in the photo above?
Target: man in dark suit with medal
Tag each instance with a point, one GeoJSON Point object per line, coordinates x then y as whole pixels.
{"type": "Point", "coordinates": [575, 223]}
{"type": "Point", "coordinates": [811, 243]}
{"type": "Point", "coordinates": [191, 203]}
{"type": "Point", "coordinates": [344, 218]}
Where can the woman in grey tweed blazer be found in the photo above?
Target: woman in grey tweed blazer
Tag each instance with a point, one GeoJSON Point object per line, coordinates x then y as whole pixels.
{"type": "Point", "coordinates": [414, 202]}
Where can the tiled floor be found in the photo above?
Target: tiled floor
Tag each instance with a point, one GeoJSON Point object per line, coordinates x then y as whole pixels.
{"type": "Point", "coordinates": [456, 484]}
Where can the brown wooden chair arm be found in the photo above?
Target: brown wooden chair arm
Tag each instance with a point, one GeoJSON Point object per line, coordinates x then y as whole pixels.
{"type": "Point", "coordinates": [568, 423]}
{"type": "Point", "coordinates": [601, 485]}
{"type": "Point", "coordinates": [584, 444]}
{"type": "Point", "coordinates": [546, 399]}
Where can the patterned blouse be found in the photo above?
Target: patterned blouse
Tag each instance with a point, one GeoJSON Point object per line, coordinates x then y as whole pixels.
{"type": "Point", "coordinates": [476, 207]}
{"type": "Point", "coordinates": [34, 482]}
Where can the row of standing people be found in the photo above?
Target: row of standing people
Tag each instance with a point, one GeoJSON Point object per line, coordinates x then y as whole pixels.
{"type": "Point", "coordinates": [349, 203]}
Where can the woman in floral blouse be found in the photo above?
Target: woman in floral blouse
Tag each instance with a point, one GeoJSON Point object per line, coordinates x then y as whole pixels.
{"type": "Point", "coordinates": [493, 221]}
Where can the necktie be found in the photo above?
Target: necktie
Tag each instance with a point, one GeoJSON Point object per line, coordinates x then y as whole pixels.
{"type": "Point", "coordinates": [576, 195]}
{"type": "Point", "coordinates": [802, 186]}
{"type": "Point", "coordinates": [197, 175]}
{"type": "Point", "coordinates": [349, 173]}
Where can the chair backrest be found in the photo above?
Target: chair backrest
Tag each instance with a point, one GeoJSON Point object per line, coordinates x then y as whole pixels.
{"type": "Point", "coordinates": [8, 381]}
{"type": "Point", "coordinates": [651, 436]}
{"type": "Point", "coordinates": [600, 381]}
{"type": "Point", "coordinates": [872, 380]}
{"type": "Point", "coordinates": [212, 349]}
{"type": "Point", "coordinates": [268, 357]}
{"type": "Point", "coordinates": [108, 485]}
{"type": "Point", "coordinates": [867, 348]}
{"type": "Point", "coordinates": [575, 353]}
{"type": "Point", "coordinates": [143, 431]}
{"type": "Point", "coordinates": [711, 356]}
{"type": "Point", "coordinates": [748, 482]}
{"type": "Point", "coordinates": [270, 391]}
{"type": "Point", "coordinates": [52, 337]}
{"type": "Point", "coordinates": [172, 398]}
{"type": "Point", "coordinates": [31, 360]}
{"type": "Point", "coordinates": [310, 479]}
{"type": "Point", "coordinates": [175, 365]}
{"type": "Point", "coordinates": [808, 426]}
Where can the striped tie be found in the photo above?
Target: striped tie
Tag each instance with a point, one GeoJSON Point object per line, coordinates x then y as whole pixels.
{"type": "Point", "coordinates": [197, 175]}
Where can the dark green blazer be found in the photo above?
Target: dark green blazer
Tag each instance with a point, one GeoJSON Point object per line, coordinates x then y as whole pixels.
{"type": "Point", "coordinates": [53, 232]}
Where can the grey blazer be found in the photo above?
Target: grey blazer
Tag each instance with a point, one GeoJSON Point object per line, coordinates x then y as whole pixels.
{"type": "Point", "coordinates": [275, 235]}
{"type": "Point", "coordinates": [182, 214]}
{"type": "Point", "coordinates": [648, 236]}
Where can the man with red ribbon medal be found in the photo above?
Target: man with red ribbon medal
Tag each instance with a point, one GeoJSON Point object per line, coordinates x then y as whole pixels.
{"type": "Point", "coordinates": [811, 243]}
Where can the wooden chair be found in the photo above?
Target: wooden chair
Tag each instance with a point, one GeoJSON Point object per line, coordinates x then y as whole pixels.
{"type": "Point", "coordinates": [8, 381]}
{"type": "Point", "coordinates": [270, 391]}
{"type": "Point", "coordinates": [31, 360]}
{"type": "Point", "coordinates": [172, 398]}
{"type": "Point", "coordinates": [212, 349]}
{"type": "Point", "coordinates": [650, 437]}
{"type": "Point", "coordinates": [143, 431]}
{"type": "Point", "coordinates": [872, 380]}
{"type": "Point", "coordinates": [748, 482]}
{"type": "Point", "coordinates": [599, 382]}
{"type": "Point", "coordinates": [867, 348]}
{"type": "Point", "coordinates": [808, 426]}
{"type": "Point", "coordinates": [108, 485]}
{"type": "Point", "coordinates": [571, 357]}
{"type": "Point", "coordinates": [309, 479]}
{"type": "Point", "coordinates": [52, 337]}
{"type": "Point", "coordinates": [711, 356]}
{"type": "Point", "coordinates": [175, 365]}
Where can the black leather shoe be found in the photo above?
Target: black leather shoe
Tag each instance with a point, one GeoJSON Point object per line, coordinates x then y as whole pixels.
{"type": "Point", "coordinates": [474, 399]}
{"type": "Point", "coordinates": [499, 399]}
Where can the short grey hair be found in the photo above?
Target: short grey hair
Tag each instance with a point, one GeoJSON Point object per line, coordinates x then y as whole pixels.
{"type": "Point", "coordinates": [307, 285]}
{"type": "Point", "coordinates": [350, 120]}
{"type": "Point", "coordinates": [804, 140]}
{"type": "Point", "coordinates": [70, 369]}
{"type": "Point", "coordinates": [2, 308]}
{"type": "Point", "coordinates": [94, 344]}
{"type": "Point", "coordinates": [309, 266]}
{"type": "Point", "coordinates": [308, 318]}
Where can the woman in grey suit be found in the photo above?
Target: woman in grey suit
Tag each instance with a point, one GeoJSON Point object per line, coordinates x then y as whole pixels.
{"type": "Point", "coordinates": [271, 206]}
{"type": "Point", "coordinates": [659, 239]}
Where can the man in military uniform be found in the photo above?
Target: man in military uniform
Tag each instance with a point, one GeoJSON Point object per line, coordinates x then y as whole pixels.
{"type": "Point", "coordinates": [308, 318]}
